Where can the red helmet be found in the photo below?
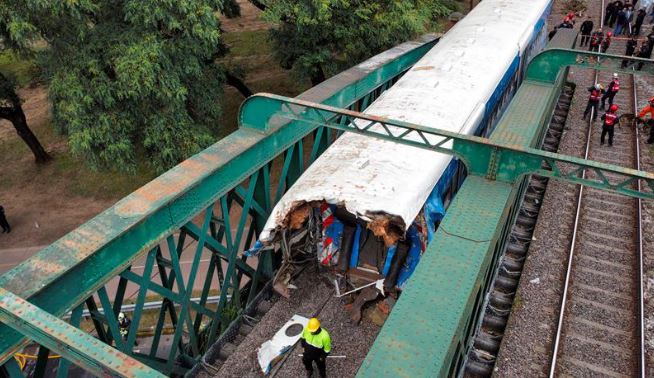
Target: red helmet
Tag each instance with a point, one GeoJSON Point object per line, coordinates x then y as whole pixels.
{"type": "Point", "coordinates": [571, 14]}
{"type": "Point", "coordinates": [614, 108]}
{"type": "Point", "coordinates": [608, 34]}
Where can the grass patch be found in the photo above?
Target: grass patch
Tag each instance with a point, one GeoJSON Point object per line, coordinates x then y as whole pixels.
{"type": "Point", "coordinates": [248, 43]}
{"type": "Point", "coordinates": [86, 182]}
{"type": "Point", "coordinates": [66, 169]}
{"type": "Point", "coordinates": [23, 70]}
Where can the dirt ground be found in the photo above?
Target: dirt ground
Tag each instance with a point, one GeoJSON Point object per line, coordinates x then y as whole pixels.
{"type": "Point", "coordinates": [37, 201]}
{"type": "Point", "coordinates": [249, 19]}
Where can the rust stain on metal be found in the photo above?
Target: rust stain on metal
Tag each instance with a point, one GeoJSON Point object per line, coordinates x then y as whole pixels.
{"type": "Point", "coordinates": [373, 117]}
{"type": "Point", "coordinates": [383, 228]}
{"type": "Point", "coordinates": [41, 265]}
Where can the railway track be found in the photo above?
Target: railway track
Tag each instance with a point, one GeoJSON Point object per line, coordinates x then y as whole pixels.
{"type": "Point", "coordinates": [600, 328]}
{"type": "Point", "coordinates": [486, 344]}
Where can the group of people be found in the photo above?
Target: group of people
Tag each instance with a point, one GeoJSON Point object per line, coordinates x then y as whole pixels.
{"type": "Point", "coordinates": [622, 15]}
{"type": "Point", "coordinates": [595, 40]}
{"type": "Point", "coordinates": [610, 117]}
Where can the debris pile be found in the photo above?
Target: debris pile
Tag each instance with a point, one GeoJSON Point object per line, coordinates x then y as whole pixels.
{"type": "Point", "coordinates": [370, 257]}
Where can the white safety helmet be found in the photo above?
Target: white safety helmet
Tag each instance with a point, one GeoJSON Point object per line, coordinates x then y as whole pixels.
{"type": "Point", "coordinates": [121, 316]}
{"type": "Point", "coordinates": [598, 86]}
{"type": "Point", "coordinates": [615, 75]}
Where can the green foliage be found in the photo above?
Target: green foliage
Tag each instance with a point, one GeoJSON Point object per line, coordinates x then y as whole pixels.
{"type": "Point", "coordinates": [22, 69]}
{"type": "Point", "coordinates": [318, 38]}
{"type": "Point", "coordinates": [128, 75]}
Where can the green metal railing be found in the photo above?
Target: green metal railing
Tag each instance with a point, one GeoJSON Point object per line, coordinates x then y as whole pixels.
{"type": "Point", "coordinates": [210, 207]}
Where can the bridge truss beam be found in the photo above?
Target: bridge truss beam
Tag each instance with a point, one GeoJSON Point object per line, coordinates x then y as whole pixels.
{"type": "Point", "coordinates": [493, 160]}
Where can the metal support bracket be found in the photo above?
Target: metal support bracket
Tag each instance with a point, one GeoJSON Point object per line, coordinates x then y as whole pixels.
{"type": "Point", "coordinates": [483, 157]}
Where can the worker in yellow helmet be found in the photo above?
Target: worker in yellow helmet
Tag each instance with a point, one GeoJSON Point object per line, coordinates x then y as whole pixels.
{"type": "Point", "coordinates": [317, 345]}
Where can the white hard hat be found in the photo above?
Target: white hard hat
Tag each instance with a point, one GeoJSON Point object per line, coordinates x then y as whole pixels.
{"type": "Point", "coordinates": [598, 86]}
{"type": "Point", "coordinates": [615, 75]}
{"type": "Point", "coordinates": [121, 316]}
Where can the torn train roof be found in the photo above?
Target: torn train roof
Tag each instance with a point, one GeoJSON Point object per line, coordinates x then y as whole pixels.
{"type": "Point", "coordinates": [447, 89]}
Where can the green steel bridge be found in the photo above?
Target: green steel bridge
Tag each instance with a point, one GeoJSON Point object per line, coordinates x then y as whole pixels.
{"type": "Point", "coordinates": [220, 198]}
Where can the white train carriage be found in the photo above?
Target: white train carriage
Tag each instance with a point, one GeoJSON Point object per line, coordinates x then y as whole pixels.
{"type": "Point", "coordinates": [365, 191]}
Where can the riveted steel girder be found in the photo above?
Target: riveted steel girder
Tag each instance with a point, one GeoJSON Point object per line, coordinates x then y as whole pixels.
{"type": "Point", "coordinates": [495, 160]}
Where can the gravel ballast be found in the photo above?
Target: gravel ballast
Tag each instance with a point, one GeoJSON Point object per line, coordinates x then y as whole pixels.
{"type": "Point", "coordinates": [314, 290]}
{"type": "Point", "coordinates": [528, 341]}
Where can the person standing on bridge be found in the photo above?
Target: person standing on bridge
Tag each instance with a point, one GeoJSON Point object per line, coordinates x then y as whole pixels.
{"type": "Point", "coordinates": [317, 344]}
{"type": "Point", "coordinates": [3, 221]}
{"type": "Point", "coordinates": [650, 122]}
{"type": "Point", "coordinates": [610, 118]}
{"type": "Point", "coordinates": [593, 101]}
{"type": "Point", "coordinates": [611, 90]}
{"type": "Point", "coordinates": [585, 29]}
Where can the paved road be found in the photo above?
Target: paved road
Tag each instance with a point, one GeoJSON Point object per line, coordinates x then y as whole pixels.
{"type": "Point", "coordinates": [12, 257]}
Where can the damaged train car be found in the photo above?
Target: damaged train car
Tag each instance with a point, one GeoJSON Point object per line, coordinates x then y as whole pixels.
{"type": "Point", "coordinates": [367, 208]}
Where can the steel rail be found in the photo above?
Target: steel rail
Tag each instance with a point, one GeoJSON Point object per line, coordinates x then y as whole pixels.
{"type": "Point", "coordinates": [639, 230]}
{"type": "Point", "coordinates": [573, 242]}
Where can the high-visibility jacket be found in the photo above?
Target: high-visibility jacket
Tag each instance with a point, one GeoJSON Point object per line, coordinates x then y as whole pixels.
{"type": "Point", "coordinates": [595, 95]}
{"type": "Point", "coordinates": [322, 340]}
{"type": "Point", "coordinates": [610, 119]}
{"type": "Point", "coordinates": [648, 109]}
{"type": "Point", "coordinates": [596, 38]}
{"type": "Point", "coordinates": [614, 86]}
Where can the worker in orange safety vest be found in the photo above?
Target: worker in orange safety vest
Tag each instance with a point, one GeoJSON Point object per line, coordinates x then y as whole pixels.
{"type": "Point", "coordinates": [610, 118]}
{"type": "Point", "coordinates": [611, 90]}
{"type": "Point", "coordinates": [650, 122]}
{"type": "Point", "coordinates": [593, 101]}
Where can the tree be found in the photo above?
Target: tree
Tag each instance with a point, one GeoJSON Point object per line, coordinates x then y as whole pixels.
{"type": "Point", "coordinates": [127, 77]}
{"type": "Point", "coordinates": [320, 38]}
{"type": "Point", "coordinates": [12, 111]}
